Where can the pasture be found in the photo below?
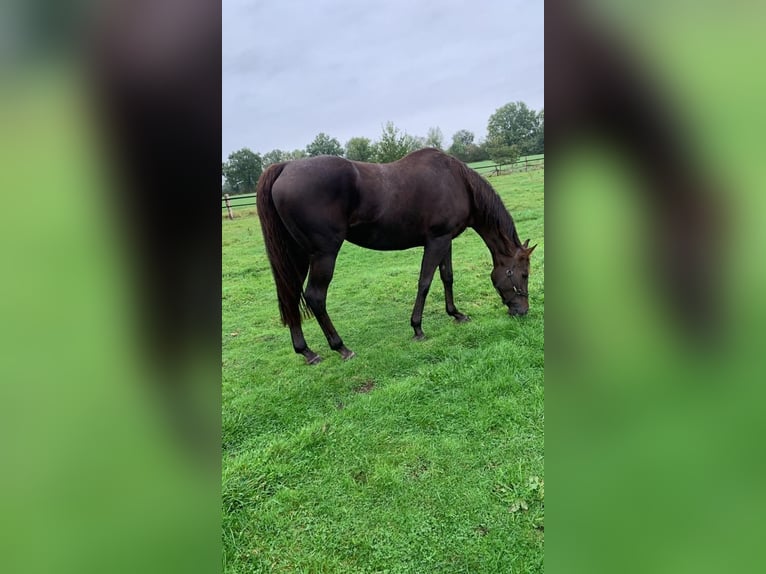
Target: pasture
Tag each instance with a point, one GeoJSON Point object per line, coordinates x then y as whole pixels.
{"type": "Point", "coordinates": [413, 456]}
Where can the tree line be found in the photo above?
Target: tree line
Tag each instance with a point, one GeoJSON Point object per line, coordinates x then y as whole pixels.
{"type": "Point", "coordinates": [514, 130]}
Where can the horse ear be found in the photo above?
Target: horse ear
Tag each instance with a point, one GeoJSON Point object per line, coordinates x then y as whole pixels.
{"type": "Point", "coordinates": [526, 244]}
{"type": "Point", "coordinates": [531, 249]}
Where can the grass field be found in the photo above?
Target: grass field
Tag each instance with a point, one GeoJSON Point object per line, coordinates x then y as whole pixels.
{"type": "Point", "coordinates": [412, 457]}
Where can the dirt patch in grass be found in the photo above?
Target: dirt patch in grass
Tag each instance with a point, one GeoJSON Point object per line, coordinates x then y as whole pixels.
{"type": "Point", "coordinates": [419, 469]}
{"type": "Point", "coordinates": [366, 387]}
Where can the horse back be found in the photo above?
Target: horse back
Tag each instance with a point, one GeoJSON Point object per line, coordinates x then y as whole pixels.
{"type": "Point", "coordinates": [403, 204]}
{"type": "Point", "coordinates": [314, 198]}
{"type": "Point", "coordinates": [326, 199]}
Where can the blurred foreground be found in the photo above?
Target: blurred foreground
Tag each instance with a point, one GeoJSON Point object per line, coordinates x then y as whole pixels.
{"type": "Point", "coordinates": [654, 361]}
{"type": "Point", "coordinates": [110, 402]}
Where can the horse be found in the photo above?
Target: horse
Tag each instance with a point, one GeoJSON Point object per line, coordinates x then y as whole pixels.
{"type": "Point", "coordinates": [309, 207]}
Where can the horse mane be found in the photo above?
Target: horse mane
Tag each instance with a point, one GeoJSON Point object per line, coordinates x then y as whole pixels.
{"type": "Point", "coordinates": [489, 211]}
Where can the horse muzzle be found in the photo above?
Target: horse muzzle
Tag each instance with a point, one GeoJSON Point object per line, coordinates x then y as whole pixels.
{"type": "Point", "coordinates": [517, 308]}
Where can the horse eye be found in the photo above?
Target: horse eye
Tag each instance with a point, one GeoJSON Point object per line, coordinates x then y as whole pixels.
{"type": "Point", "coordinates": [509, 272]}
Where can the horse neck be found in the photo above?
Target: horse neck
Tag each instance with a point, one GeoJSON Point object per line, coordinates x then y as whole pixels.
{"type": "Point", "coordinates": [490, 218]}
{"type": "Point", "coordinates": [501, 245]}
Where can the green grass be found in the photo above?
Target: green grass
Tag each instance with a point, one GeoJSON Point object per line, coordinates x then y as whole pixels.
{"type": "Point", "coordinates": [412, 457]}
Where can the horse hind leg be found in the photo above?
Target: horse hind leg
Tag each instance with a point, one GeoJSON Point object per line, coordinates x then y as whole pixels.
{"type": "Point", "coordinates": [445, 272]}
{"type": "Point", "coordinates": [296, 331]}
{"type": "Point", "coordinates": [300, 346]}
{"type": "Point", "coordinates": [320, 275]}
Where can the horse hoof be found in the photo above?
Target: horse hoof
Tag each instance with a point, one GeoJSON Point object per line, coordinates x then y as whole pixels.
{"type": "Point", "coordinates": [419, 337]}
{"type": "Point", "coordinates": [315, 360]}
{"type": "Point", "coordinates": [345, 353]}
{"type": "Point", "coordinates": [462, 318]}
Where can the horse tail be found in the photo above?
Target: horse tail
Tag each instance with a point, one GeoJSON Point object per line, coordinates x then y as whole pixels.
{"type": "Point", "coordinates": [288, 261]}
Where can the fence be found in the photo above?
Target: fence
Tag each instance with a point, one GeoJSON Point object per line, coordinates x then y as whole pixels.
{"type": "Point", "coordinates": [236, 201]}
{"type": "Point", "coordinates": [487, 169]}
{"type": "Point", "coordinates": [524, 164]}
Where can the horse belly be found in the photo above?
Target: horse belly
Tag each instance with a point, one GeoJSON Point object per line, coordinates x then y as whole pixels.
{"type": "Point", "coordinates": [383, 239]}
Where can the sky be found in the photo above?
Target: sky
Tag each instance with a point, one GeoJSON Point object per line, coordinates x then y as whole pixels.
{"type": "Point", "coordinates": [295, 68]}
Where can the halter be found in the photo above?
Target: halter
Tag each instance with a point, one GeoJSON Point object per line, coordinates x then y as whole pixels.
{"type": "Point", "coordinates": [519, 292]}
{"type": "Point", "coordinates": [516, 291]}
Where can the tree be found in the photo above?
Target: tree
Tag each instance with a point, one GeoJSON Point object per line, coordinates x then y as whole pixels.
{"type": "Point", "coordinates": [242, 171]}
{"type": "Point", "coordinates": [514, 124]}
{"type": "Point", "coordinates": [479, 152]}
{"type": "Point", "coordinates": [360, 149]}
{"type": "Point", "coordinates": [538, 140]}
{"type": "Point", "coordinates": [393, 144]}
{"type": "Point", "coordinates": [295, 154]}
{"type": "Point", "coordinates": [324, 145]}
{"type": "Point", "coordinates": [463, 147]}
{"type": "Point", "coordinates": [274, 156]}
{"type": "Point", "coordinates": [500, 152]}
{"type": "Point", "coordinates": [434, 138]}
{"type": "Point", "coordinates": [461, 139]}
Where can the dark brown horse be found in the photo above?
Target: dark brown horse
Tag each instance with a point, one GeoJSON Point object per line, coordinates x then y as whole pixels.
{"type": "Point", "coordinates": [309, 207]}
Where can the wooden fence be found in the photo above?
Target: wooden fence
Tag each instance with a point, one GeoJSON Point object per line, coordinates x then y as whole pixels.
{"type": "Point", "coordinates": [524, 164]}
{"type": "Point", "coordinates": [230, 203]}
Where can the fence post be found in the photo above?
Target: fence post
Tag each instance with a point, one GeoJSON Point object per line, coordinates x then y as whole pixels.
{"type": "Point", "coordinates": [228, 205]}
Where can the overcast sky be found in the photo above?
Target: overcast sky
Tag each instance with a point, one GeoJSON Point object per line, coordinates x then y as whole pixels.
{"type": "Point", "coordinates": [294, 68]}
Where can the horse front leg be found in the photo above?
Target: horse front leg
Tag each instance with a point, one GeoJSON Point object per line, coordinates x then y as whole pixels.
{"type": "Point", "coordinates": [433, 254]}
{"type": "Point", "coordinates": [445, 271]}
{"type": "Point", "coordinates": [320, 275]}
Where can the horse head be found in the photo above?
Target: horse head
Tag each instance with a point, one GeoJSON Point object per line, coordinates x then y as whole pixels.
{"type": "Point", "coordinates": [510, 278]}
